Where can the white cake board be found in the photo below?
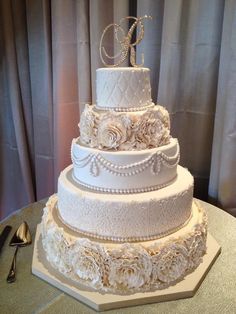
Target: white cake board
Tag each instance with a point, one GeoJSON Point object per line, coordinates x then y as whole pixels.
{"type": "Point", "coordinates": [100, 302]}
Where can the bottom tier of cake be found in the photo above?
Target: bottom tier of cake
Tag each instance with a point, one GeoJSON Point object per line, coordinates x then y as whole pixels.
{"type": "Point", "coordinates": [124, 267]}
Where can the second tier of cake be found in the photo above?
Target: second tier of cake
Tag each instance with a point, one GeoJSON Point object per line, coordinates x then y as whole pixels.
{"type": "Point", "coordinates": [130, 217]}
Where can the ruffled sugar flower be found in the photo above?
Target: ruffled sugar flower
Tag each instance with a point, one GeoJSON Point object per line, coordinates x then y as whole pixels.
{"type": "Point", "coordinates": [130, 267]}
{"type": "Point", "coordinates": [59, 248]}
{"type": "Point", "coordinates": [129, 122]}
{"type": "Point", "coordinates": [196, 246]}
{"type": "Point", "coordinates": [88, 126]}
{"type": "Point", "coordinates": [149, 131]}
{"type": "Point", "coordinates": [111, 133]}
{"type": "Point", "coordinates": [46, 222]}
{"type": "Point", "coordinates": [163, 115]}
{"type": "Point", "coordinates": [170, 263]}
{"type": "Point", "coordinates": [88, 261]}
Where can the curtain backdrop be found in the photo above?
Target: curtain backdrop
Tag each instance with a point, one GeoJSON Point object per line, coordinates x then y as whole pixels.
{"type": "Point", "coordinates": [48, 59]}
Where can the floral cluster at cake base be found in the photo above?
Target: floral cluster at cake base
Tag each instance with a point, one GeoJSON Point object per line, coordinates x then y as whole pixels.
{"type": "Point", "coordinates": [124, 268]}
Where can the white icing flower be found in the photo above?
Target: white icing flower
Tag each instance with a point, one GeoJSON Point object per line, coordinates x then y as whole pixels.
{"type": "Point", "coordinates": [170, 263]}
{"type": "Point", "coordinates": [88, 261]}
{"type": "Point", "coordinates": [203, 226]}
{"type": "Point", "coordinates": [149, 131]}
{"type": "Point", "coordinates": [165, 138]}
{"type": "Point", "coordinates": [130, 267]}
{"type": "Point", "coordinates": [163, 115]}
{"type": "Point", "coordinates": [55, 243]}
{"type": "Point", "coordinates": [126, 121]}
{"type": "Point", "coordinates": [196, 246]}
{"type": "Point", "coordinates": [46, 221]}
{"type": "Point", "coordinates": [111, 133]}
{"type": "Point", "coordinates": [88, 126]}
{"type": "Point", "coordinates": [128, 145]}
{"type": "Point", "coordinates": [125, 131]}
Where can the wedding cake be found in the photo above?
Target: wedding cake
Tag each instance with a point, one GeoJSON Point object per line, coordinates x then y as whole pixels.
{"type": "Point", "coordinates": [124, 219]}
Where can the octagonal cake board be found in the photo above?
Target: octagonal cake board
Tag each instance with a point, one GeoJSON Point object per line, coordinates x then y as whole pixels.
{"type": "Point", "coordinates": [102, 301]}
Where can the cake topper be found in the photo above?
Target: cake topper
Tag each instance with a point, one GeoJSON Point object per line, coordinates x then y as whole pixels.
{"type": "Point", "coordinates": [124, 42]}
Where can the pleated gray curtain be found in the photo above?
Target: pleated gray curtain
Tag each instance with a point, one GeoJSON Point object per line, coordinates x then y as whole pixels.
{"type": "Point", "coordinates": [187, 56]}
{"type": "Point", "coordinates": [192, 46]}
{"type": "Point", "coordinates": [222, 185]}
{"type": "Point", "coordinates": [48, 58]}
{"type": "Point", "coordinates": [16, 137]}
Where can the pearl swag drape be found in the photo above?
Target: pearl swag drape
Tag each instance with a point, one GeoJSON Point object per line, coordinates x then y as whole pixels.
{"type": "Point", "coordinates": [49, 58]}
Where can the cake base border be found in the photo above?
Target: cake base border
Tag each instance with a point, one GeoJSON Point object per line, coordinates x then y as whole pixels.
{"type": "Point", "coordinates": [104, 301]}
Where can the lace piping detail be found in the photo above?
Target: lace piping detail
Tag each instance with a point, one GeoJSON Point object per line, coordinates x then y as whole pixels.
{"type": "Point", "coordinates": [121, 239]}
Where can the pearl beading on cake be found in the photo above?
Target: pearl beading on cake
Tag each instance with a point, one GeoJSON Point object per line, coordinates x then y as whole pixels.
{"type": "Point", "coordinates": [154, 162]}
{"type": "Point", "coordinates": [123, 109]}
{"type": "Point", "coordinates": [123, 239]}
{"type": "Point", "coordinates": [124, 191]}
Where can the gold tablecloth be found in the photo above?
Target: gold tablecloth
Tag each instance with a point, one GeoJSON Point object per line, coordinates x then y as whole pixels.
{"type": "Point", "coordinates": [29, 294]}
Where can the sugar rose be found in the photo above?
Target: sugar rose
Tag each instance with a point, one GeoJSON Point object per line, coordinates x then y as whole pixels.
{"type": "Point", "coordinates": [111, 133]}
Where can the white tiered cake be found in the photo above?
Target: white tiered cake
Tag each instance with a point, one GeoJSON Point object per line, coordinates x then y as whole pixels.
{"type": "Point", "coordinates": [124, 219]}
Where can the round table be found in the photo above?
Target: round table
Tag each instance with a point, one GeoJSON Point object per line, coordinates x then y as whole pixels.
{"type": "Point", "coordinates": [29, 294]}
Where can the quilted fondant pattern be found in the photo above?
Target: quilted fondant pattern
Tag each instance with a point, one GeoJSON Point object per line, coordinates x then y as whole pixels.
{"type": "Point", "coordinates": [123, 87]}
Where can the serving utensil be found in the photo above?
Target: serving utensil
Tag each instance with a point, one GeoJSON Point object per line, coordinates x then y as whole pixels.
{"type": "Point", "coordinates": [3, 236]}
{"type": "Point", "coordinates": [22, 237]}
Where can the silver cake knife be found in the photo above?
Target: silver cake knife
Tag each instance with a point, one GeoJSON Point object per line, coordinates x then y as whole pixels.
{"type": "Point", "coordinates": [3, 236]}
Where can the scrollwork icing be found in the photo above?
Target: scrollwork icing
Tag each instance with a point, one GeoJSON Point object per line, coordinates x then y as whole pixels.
{"type": "Point", "coordinates": [125, 41]}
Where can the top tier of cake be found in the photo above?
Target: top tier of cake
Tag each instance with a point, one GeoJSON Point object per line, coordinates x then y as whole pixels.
{"type": "Point", "coordinates": [123, 88]}
{"type": "Point", "coordinates": [124, 116]}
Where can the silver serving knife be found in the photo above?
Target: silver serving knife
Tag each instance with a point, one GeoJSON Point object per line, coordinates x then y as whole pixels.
{"type": "Point", "coordinates": [22, 237]}
{"type": "Point", "coordinates": [3, 236]}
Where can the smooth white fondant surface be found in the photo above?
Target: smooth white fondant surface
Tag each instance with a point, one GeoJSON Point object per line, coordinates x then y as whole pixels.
{"type": "Point", "coordinates": [127, 217]}
{"type": "Point", "coordinates": [123, 87]}
{"type": "Point", "coordinates": [125, 170]}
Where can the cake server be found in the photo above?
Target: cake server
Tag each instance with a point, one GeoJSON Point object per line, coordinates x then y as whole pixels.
{"type": "Point", "coordinates": [22, 237]}
{"type": "Point", "coordinates": [3, 236]}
